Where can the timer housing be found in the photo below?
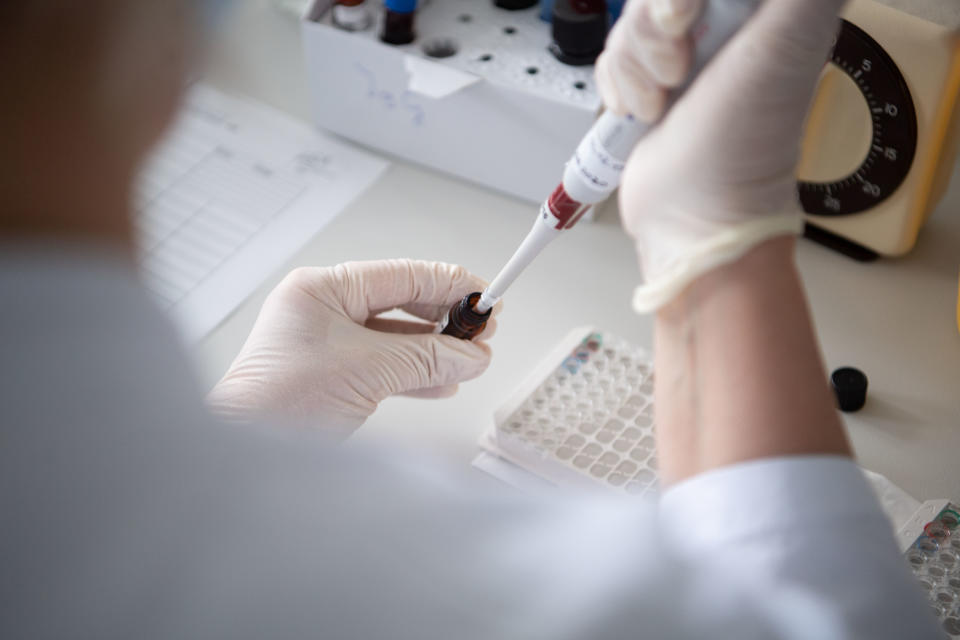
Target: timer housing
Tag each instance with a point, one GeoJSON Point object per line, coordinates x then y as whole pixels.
{"type": "Point", "coordinates": [883, 130]}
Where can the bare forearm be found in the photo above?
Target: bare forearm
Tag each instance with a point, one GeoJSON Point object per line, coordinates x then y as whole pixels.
{"type": "Point", "coordinates": [739, 374]}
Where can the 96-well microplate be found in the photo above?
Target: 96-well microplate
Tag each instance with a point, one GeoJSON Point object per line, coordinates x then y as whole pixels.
{"type": "Point", "coordinates": [584, 417]}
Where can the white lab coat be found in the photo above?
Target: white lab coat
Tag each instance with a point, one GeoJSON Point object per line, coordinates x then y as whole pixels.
{"type": "Point", "coordinates": [126, 511]}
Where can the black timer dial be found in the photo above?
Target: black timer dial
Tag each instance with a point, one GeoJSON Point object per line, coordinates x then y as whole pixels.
{"type": "Point", "coordinates": [894, 123]}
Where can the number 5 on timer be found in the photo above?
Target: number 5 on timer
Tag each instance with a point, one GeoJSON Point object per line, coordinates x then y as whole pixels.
{"type": "Point", "coordinates": [881, 137]}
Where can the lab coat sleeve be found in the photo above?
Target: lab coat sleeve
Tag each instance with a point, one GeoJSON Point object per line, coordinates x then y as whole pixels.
{"type": "Point", "coordinates": [807, 539]}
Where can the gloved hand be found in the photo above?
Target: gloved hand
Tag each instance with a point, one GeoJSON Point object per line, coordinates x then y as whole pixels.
{"type": "Point", "coordinates": [717, 175]}
{"type": "Point", "coordinates": [319, 353]}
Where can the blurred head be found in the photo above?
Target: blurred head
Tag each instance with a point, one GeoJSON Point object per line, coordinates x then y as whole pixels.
{"type": "Point", "coordinates": [89, 86]}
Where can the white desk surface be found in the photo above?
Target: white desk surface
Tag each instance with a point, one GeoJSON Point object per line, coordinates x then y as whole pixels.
{"type": "Point", "coordinates": [894, 319]}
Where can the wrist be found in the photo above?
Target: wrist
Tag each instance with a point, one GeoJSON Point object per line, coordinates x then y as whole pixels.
{"type": "Point", "coordinates": [673, 264]}
{"type": "Point", "coordinates": [744, 377]}
{"type": "Point", "coordinates": [762, 268]}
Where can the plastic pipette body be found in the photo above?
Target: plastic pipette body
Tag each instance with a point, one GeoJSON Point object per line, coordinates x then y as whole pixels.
{"type": "Point", "coordinates": [539, 237]}
{"type": "Point", "coordinates": [594, 171]}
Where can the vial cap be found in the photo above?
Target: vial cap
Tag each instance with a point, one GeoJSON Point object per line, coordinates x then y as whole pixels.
{"type": "Point", "coordinates": [850, 388]}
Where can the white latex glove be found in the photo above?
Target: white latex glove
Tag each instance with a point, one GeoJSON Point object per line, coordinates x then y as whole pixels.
{"type": "Point", "coordinates": [318, 352]}
{"type": "Point", "coordinates": [717, 175]}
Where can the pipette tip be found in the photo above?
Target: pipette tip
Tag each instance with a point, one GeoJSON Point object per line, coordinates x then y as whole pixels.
{"type": "Point", "coordinates": [486, 303]}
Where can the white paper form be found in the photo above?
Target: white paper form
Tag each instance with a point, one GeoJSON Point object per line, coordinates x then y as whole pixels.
{"type": "Point", "coordinates": [234, 190]}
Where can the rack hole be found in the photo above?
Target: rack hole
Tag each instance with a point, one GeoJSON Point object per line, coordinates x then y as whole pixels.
{"type": "Point", "coordinates": [533, 71]}
{"type": "Point", "coordinates": [465, 17]}
{"type": "Point", "coordinates": [509, 30]}
{"type": "Point", "coordinates": [485, 57]}
{"type": "Point", "coordinates": [580, 85]}
{"type": "Point", "coordinates": [440, 48]}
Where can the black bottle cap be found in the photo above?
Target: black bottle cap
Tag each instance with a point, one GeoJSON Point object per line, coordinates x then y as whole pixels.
{"type": "Point", "coordinates": [515, 5]}
{"type": "Point", "coordinates": [850, 387]}
{"type": "Point", "coordinates": [579, 30]}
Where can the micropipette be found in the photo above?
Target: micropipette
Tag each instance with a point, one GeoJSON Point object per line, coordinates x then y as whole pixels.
{"type": "Point", "coordinates": [593, 173]}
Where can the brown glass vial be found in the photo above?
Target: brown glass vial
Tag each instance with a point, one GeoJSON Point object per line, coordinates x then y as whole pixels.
{"type": "Point", "coordinates": [463, 321]}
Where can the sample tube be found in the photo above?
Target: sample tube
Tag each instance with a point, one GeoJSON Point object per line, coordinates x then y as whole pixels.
{"type": "Point", "coordinates": [463, 320]}
{"type": "Point", "coordinates": [514, 5]}
{"type": "Point", "coordinates": [579, 30]}
{"type": "Point", "coordinates": [398, 21]}
{"type": "Point", "coordinates": [351, 15]}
